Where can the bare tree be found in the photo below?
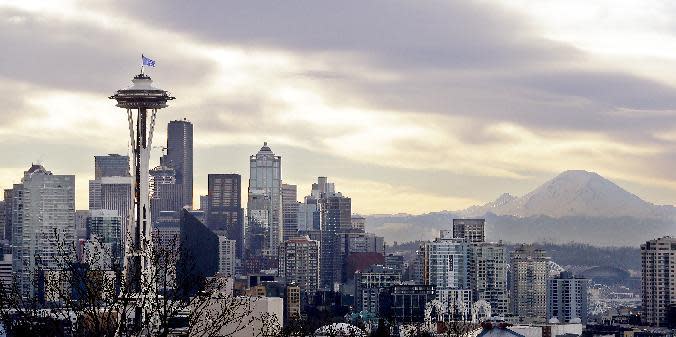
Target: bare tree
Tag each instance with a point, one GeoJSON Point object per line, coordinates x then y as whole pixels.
{"type": "Point", "coordinates": [87, 294]}
{"type": "Point", "coordinates": [457, 322]}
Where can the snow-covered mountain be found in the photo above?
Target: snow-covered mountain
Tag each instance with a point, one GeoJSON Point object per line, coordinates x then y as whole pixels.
{"type": "Point", "coordinates": [573, 193]}
{"type": "Point", "coordinates": [575, 206]}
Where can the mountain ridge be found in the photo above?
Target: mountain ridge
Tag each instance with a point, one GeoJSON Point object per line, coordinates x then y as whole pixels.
{"type": "Point", "coordinates": [573, 193]}
{"type": "Point", "coordinates": [575, 205]}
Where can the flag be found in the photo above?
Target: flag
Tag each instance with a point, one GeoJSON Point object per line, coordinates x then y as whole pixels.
{"type": "Point", "coordinates": [147, 62]}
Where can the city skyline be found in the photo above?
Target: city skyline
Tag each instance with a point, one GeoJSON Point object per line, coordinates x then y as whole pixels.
{"type": "Point", "coordinates": [415, 169]}
{"type": "Point", "coordinates": [563, 94]}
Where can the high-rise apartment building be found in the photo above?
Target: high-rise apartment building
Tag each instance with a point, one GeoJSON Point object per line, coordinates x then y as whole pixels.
{"type": "Point", "coordinates": [658, 279]}
{"type": "Point", "coordinates": [180, 156]}
{"type": "Point", "coordinates": [529, 283]}
{"type": "Point", "coordinates": [299, 263]}
{"type": "Point", "coordinates": [224, 207]}
{"type": "Point", "coordinates": [471, 229]}
{"type": "Point", "coordinates": [289, 211]}
{"type": "Point", "coordinates": [112, 165]}
{"type": "Point", "coordinates": [264, 206]}
{"type": "Point", "coordinates": [488, 276]}
{"type": "Point", "coordinates": [567, 298]}
{"type": "Point", "coordinates": [445, 262]}
{"type": "Point", "coordinates": [43, 215]}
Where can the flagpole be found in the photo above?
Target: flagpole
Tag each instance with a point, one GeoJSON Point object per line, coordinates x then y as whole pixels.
{"type": "Point", "coordinates": [141, 64]}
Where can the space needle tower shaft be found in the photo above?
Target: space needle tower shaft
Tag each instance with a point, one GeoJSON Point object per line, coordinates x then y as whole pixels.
{"type": "Point", "coordinates": [141, 101]}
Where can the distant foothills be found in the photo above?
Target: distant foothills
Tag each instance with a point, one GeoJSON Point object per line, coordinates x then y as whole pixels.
{"type": "Point", "coordinates": [575, 206]}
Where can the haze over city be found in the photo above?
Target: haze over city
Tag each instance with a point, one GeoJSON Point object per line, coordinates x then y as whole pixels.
{"type": "Point", "coordinates": [409, 107]}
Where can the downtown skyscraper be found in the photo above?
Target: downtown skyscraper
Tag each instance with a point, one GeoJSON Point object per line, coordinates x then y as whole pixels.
{"type": "Point", "coordinates": [264, 231]}
{"type": "Point", "coordinates": [112, 165]}
{"type": "Point", "coordinates": [166, 194]}
{"type": "Point", "coordinates": [43, 214]}
{"type": "Point", "coordinates": [223, 211]}
{"type": "Point", "coordinates": [180, 156]}
{"type": "Point", "coordinates": [335, 217]}
{"type": "Point", "coordinates": [290, 208]}
{"type": "Point", "coordinates": [111, 187]}
{"type": "Point", "coordinates": [112, 193]}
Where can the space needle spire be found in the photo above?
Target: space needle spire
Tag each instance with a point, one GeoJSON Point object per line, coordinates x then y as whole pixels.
{"type": "Point", "coordinates": [141, 101]}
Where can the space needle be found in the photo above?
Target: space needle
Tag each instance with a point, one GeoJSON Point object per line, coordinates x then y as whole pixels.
{"type": "Point", "coordinates": [141, 100]}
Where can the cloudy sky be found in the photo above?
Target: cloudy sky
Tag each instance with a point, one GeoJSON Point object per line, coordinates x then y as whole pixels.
{"type": "Point", "coordinates": [409, 106]}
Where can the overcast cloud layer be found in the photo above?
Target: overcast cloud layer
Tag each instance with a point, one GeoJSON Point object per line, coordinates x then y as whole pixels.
{"type": "Point", "coordinates": [409, 106]}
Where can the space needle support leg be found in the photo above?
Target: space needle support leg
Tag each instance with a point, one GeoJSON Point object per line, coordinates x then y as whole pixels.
{"type": "Point", "coordinates": [152, 128]}
{"type": "Point", "coordinates": [128, 222]}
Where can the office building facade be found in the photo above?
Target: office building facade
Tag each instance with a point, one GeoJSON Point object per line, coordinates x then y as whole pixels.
{"type": "Point", "coordinates": [224, 207]}
{"type": "Point", "coordinates": [335, 216]}
{"type": "Point", "coordinates": [105, 226]}
{"type": "Point", "coordinates": [226, 256]}
{"type": "Point", "coordinates": [180, 156]}
{"type": "Point", "coordinates": [111, 193]}
{"type": "Point", "coordinates": [43, 215]}
{"type": "Point", "coordinates": [264, 206]}
{"type": "Point", "coordinates": [112, 165]}
{"type": "Point", "coordinates": [166, 194]}
{"type": "Point", "coordinates": [289, 211]}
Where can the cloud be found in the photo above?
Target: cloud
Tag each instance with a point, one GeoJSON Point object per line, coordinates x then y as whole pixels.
{"type": "Point", "coordinates": [456, 101]}
{"type": "Point", "coordinates": [441, 57]}
{"type": "Point", "coordinates": [79, 55]}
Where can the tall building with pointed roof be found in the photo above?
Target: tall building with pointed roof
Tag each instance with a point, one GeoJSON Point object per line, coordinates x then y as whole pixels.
{"type": "Point", "coordinates": [264, 204]}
